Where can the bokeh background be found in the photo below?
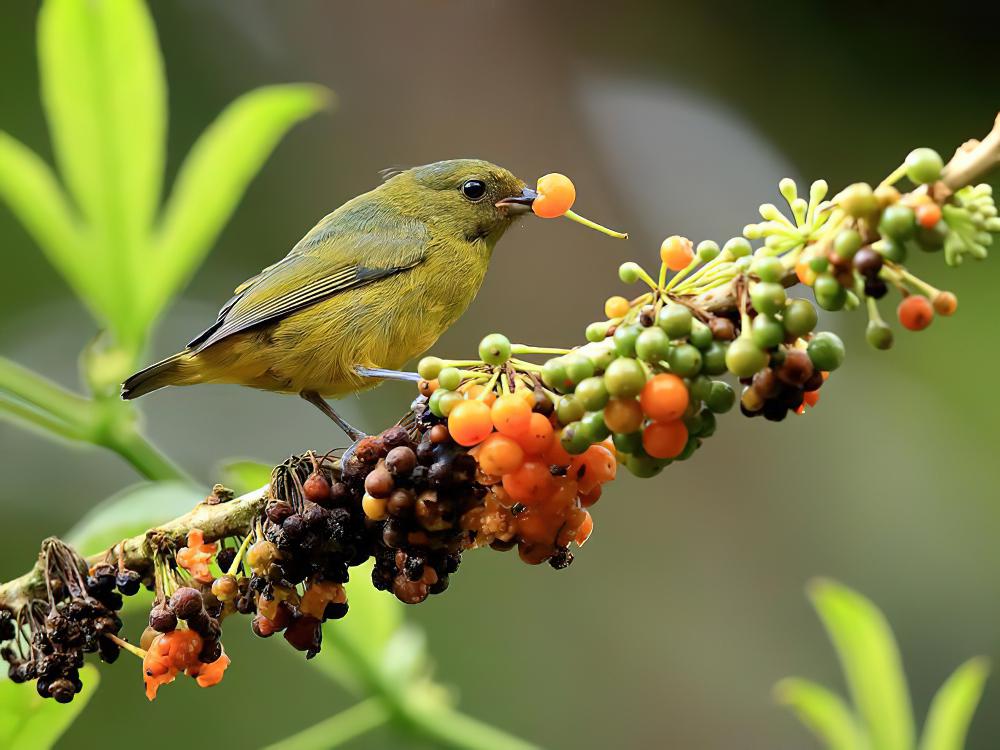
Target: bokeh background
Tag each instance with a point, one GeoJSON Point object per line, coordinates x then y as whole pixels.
{"type": "Point", "coordinates": [688, 604]}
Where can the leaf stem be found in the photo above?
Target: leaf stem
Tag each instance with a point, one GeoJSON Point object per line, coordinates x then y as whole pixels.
{"type": "Point", "coordinates": [338, 729]}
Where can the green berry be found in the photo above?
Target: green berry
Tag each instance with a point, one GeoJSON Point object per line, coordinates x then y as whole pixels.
{"type": "Point", "coordinates": [744, 357]}
{"type": "Point", "coordinates": [628, 442]}
{"type": "Point", "coordinates": [629, 272]}
{"type": "Point", "coordinates": [701, 335]}
{"type": "Point", "coordinates": [708, 423]}
{"type": "Point", "coordinates": [602, 357]}
{"type": "Point", "coordinates": [596, 332]}
{"type": "Point", "coordinates": [892, 249]}
{"type": "Point", "coordinates": [858, 200]}
{"type": "Point", "coordinates": [675, 319]}
{"type": "Point", "coordinates": [707, 250]}
{"type": "Point", "coordinates": [830, 295]}
{"type": "Point", "coordinates": [826, 351]}
{"type": "Point", "coordinates": [554, 373]}
{"type": "Point", "coordinates": [898, 222]}
{"type": "Point", "coordinates": [624, 378]}
{"type": "Point", "coordinates": [739, 247]}
{"type": "Point", "coordinates": [767, 268]}
{"type": "Point", "coordinates": [923, 165]}
{"type": "Point", "coordinates": [700, 387]}
{"type": "Point", "coordinates": [685, 360]}
{"type": "Point", "coordinates": [591, 393]}
{"type": "Point", "coordinates": [578, 368]}
{"type": "Point", "coordinates": [819, 264]}
{"type": "Point", "coordinates": [574, 438]}
{"type": "Point", "coordinates": [932, 239]}
{"type": "Point", "coordinates": [448, 401]}
{"type": "Point", "coordinates": [429, 367]}
{"type": "Point", "coordinates": [594, 427]}
{"type": "Point", "coordinates": [721, 398]}
{"type": "Point", "coordinates": [434, 402]}
{"type": "Point", "coordinates": [625, 337]}
{"type": "Point", "coordinates": [450, 378]}
{"type": "Point", "coordinates": [767, 332]}
{"type": "Point", "coordinates": [652, 345]}
{"type": "Point", "coordinates": [494, 349]}
{"type": "Point", "coordinates": [879, 334]}
{"type": "Point", "coordinates": [693, 444]}
{"type": "Point", "coordinates": [644, 467]}
{"type": "Point", "coordinates": [713, 359]}
{"type": "Point", "coordinates": [768, 297]}
{"type": "Point", "coordinates": [570, 409]}
{"type": "Point", "coordinates": [846, 243]}
{"type": "Point", "coordinates": [800, 317]}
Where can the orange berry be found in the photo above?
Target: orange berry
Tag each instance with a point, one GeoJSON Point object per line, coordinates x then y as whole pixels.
{"type": "Point", "coordinates": [564, 493]}
{"type": "Point", "coordinates": [805, 273]}
{"type": "Point", "coordinates": [469, 422]}
{"type": "Point", "coordinates": [676, 252]}
{"type": "Point", "coordinates": [915, 312]}
{"type": "Point", "coordinates": [589, 498]}
{"type": "Point", "coordinates": [800, 409]}
{"type": "Point", "coordinates": [477, 391]}
{"type": "Point", "coordinates": [623, 415]}
{"type": "Point", "coordinates": [556, 194]}
{"type": "Point", "coordinates": [427, 387]}
{"type": "Point", "coordinates": [665, 439]}
{"type": "Point", "coordinates": [584, 530]}
{"type": "Point", "coordinates": [531, 484]}
{"type": "Point", "coordinates": [511, 415]}
{"type": "Point", "coordinates": [945, 303]}
{"type": "Point", "coordinates": [664, 397]}
{"type": "Point", "coordinates": [810, 397]}
{"type": "Point", "coordinates": [615, 307]}
{"type": "Point", "coordinates": [538, 437]}
{"type": "Point", "coordinates": [500, 455]}
{"type": "Point", "coordinates": [601, 464]}
{"type": "Point", "coordinates": [928, 215]}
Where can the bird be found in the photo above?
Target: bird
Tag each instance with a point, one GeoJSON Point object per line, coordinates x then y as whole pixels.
{"type": "Point", "coordinates": [374, 284]}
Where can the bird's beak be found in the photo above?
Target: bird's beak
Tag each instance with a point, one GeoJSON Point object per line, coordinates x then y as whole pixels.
{"type": "Point", "coordinates": [518, 204]}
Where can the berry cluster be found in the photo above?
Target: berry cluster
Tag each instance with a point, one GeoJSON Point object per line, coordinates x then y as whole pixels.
{"type": "Point", "coordinates": [47, 640]}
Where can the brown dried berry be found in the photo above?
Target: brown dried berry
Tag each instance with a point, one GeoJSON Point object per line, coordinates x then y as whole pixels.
{"type": "Point", "coordinates": [187, 602]}
{"type": "Point", "coordinates": [279, 510]}
{"type": "Point", "coordinates": [316, 488]}
{"type": "Point", "coordinates": [379, 482]}
{"type": "Point", "coordinates": [401, 460]}
{"type": "Point", "coordinates": [722, 329]}
{"type": "Point", "coordinates": [162, 619]}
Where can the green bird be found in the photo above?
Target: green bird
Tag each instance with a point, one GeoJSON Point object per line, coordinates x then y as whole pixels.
{"type": "Point", "coordinates": [372, 285]}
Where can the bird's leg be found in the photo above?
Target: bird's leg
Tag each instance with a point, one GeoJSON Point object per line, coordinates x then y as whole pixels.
{"type": "Point", "coordinates": [320, 403]}
{"type": "Point", "coordinates": [378, 372]}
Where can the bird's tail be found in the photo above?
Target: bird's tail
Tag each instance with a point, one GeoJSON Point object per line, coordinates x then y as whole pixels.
{"type": "Point", "coordinates": [175, 370]}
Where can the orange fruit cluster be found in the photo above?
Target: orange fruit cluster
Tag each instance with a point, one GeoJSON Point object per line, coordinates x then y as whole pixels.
{"type": "Point", "coordinates": [538, 493]}
{"type": "Point", "coordinates": [171, 653]}
{"type": "Point", "coordinates": [197, 556]}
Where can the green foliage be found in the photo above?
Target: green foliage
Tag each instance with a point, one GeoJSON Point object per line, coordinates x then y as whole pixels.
{"type": "Point", "coordinates": [99, 222]}
{"type": "Point", "coordinates": [29, 721]}
{"type": "Point", "coordinates": [881, 717]}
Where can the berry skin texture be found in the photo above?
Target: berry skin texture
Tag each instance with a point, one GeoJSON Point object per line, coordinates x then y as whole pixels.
{"type": "Point", "coordinates": [826, 351]}
{"type": "Point", "coordinates": [624, 415]}
{"type": "Point", "coordinates": [923, 165]}
{"type": "Point", "coordinates": [915, 312]}
{"type": "Point", "coordinates": [928, 215]}
{"type": "Point", "coordinates": [494, 349]}
{"type": "Point", "coordinates": [470, 422]}
{"type": "Point", "coordinates": [664, 398]}
{"type": "Point", "coordinates": [665, 439]}
{"type": "Point", "coordinates": [500, 455]}
{"type": "Point", "coordinates": [556, 195]}
{"type": "Point", "coordinates": [624, 378]}
{"type": "Point", "coordinates": [676, 252]}
{"type": "Point", "coordinates": [511, 415]}
{"type": "Point", "coordinates": [531, 484]}
{"type": "Point", "coordinates": [615, 307]}
{"type": "Point", "coordinates": [945, 303]}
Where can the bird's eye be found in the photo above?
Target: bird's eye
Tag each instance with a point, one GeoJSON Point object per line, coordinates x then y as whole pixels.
{"type": "Point", "coordinates": [474, 190]}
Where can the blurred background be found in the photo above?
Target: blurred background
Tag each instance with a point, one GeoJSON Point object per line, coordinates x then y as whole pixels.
{"type": "Point", "coordinates": [688, 604]}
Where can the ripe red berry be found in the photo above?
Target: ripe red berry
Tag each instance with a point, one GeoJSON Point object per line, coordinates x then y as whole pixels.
{"type": "Point", "coordinates": [915, 312]}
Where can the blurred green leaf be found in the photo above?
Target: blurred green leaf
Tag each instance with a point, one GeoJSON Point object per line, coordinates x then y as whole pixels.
{"type": "Point", "coordinates": [29, 721]}
{"type": "Point", "coordinates": [871, 663]}
{"type": "Point", "coordinates": [243, 474]}
{"type": "Point", "coordinates": [336, 730]}
{"type": "Point", "coordinates": [354, 646]}
{"type": "Point", "coordinates": [825, 713]}
{"type": "Point", "coordinates": [215, 175]}
{"type": "Point", "coordinates": [34, 195]}
{"type": "Point", "coordinates": [105, 100]}
{"type": "Point", "coordinates": [953, 706]}
{"type": "Point", "coordinates": [130, 512]}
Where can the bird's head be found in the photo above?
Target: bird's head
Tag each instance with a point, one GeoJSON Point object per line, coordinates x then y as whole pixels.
{"type": "Point", "coordinates": [468, 198]}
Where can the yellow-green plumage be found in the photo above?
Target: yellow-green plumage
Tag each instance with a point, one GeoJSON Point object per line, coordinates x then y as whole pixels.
{"type": "Point", "coordinates": [374, 284]}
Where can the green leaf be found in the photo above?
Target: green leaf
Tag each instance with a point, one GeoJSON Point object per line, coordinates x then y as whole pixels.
{"type": "Point", "coordinates": [105, 99]}
{"type": "Point", "coordinates": [215, 175]}
{"type": "Point", "coordinates": [131, 512]}
{"type": "Point", "coordinates": [35, 197]}
{"type": "Point", "coordinates": [871, 663]}
{"type": "Point", "coordinates": [243, 475]}
{"type": "Point", "coordinates": [354, 647]}
{"type": "Point", "coordinates": [29, 721]}
{"type": "Point", "coordinates": [823, 712]}
{"type": "Point", "coordinates": [953, 706]}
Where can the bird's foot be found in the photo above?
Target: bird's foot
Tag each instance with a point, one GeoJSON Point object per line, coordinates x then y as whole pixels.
{"type": "Point", "coordinates": [320, 403]}
{"type": "Point", "coordinates": [378, 372]}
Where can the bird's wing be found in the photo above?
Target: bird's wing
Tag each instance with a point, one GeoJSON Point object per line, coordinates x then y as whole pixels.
{"type": "Point", "coordinates": [311, 274]}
